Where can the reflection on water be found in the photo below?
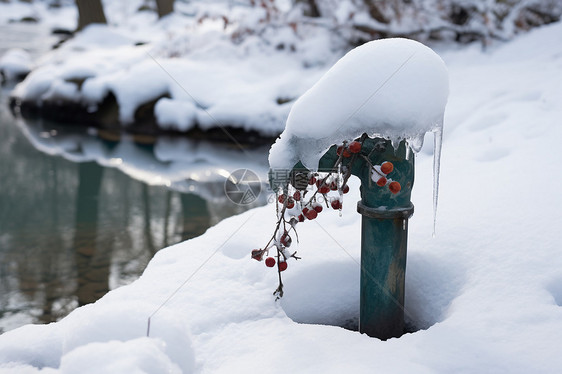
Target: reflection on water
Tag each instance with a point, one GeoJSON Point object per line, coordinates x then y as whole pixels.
{"type": "Point", "coordinates": [71, 229]}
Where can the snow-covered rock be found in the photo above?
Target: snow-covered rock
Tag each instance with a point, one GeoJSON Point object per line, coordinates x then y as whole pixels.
{"type": "Point", "coordinates": [15, 64]}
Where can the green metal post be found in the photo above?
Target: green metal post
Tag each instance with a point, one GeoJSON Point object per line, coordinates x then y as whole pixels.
{"type": "Point", "coordinates": [384, 236]}
{"type": "Point", "coordinates": [383, 269]}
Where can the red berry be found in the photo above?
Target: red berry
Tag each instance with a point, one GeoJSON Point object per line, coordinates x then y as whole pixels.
{"type": "Point", "coordinates": [301, 217]}
{"type": "Point", "coordinates": [304, 211]}
{"type": "Point", "coordinates": [324, 189]}
{"type": "Point", "coordinates": [394, 187]}
{"type": "Point", "coordinates": [334, 186]}
{"type": "Point", "coordinates": [387, 167]}
{"type": "Point", "coordinates": [312, 180]}
{"type": "Point", "coordinates": [318, 208]}
{"type": "Point", "coordinates": [286, 240]}
{"type": "Point", "coordinates": [297, 196]}
{"type": "Point", "coordinates": [257, 254]}
{"type": "Point", "coordinates": [290, 203]}
{"type": "Point", "coordinates": [345, 189]}
{"type": "Point", "coordinates": [336, 204]}
{"type": "Point", "coordinates": [283, 266]}
{"type": "Point", "coordinates": [311, 214]}
{"type": "Point", "coordinates": [339, 150]}
{"type": "Point", "coordinates": [381, 182]}
{"type": "Point", "coordinates": [281, 198]}
{"type": "Point", "coordinates": [354, 147]}
{"type": "Point", "coordinates": [270, 262]}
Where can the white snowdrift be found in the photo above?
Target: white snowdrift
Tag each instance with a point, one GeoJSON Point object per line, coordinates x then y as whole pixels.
{"type": "Point", "coordinates": [486, 291]}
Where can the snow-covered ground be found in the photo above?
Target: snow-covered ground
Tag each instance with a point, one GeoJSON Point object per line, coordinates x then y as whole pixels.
{"type": "Point", "coordinates": [485, 294]}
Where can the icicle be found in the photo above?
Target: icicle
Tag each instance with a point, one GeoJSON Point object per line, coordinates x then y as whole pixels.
{"type": "Point", "coordinates": [340, 181]}
{"type": "Point", "coordinates": [395, 141]}
{"type": "Point", "coordinates": [416, 142]}
{"type": "Point", "coordinates": [437, 144]}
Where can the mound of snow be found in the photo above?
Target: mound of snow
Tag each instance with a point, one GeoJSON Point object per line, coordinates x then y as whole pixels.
{"type": "Point", "coordinates": [15, 64]}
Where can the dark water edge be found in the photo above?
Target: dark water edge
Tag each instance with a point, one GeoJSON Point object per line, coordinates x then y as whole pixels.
{"type": "Point", "coordinates": [106, 119]}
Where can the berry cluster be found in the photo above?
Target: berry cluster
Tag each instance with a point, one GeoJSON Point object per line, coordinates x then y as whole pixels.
{"type": "Point", "coordinates": [304, 202]}
{"type": "Point", "coordinates": [379, 176]}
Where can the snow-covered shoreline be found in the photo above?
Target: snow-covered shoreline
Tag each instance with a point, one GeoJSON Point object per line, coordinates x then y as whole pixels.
{"type": "Point", "coordinates": [486, 293]}
{"type": "Point", "coordinates": [175, 74]}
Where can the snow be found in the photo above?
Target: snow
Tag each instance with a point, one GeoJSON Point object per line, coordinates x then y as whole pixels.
{"type": "Point", "coordinates": [15, 62]}
{"type": "Point", "coordinates": [138, 74]}
{"type": "Point", "coordinates": [46, 18]}
{"type": "Point", "coordinates": [191, 60]}
{"type": "Point", "coordinates": [391, 88]}
{"type": "Point", "coordinates": [176, 115]}
{"type": "Point", "coordinates": [484, 294]}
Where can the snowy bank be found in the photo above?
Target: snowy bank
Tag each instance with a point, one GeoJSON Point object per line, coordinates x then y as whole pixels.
{"type": "Point", "coordinates": [486, 292]}
{"type": "Point", "coordinates": [182, 73]}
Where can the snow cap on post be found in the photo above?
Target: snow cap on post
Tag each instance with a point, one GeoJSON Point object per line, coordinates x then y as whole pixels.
{"type": "Point", "coordinates": [390, 88]}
